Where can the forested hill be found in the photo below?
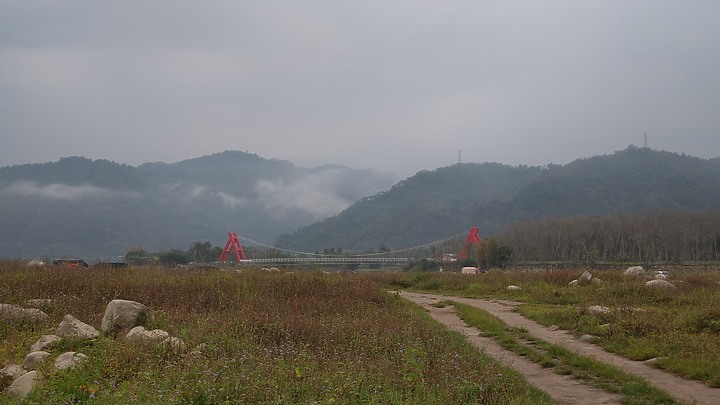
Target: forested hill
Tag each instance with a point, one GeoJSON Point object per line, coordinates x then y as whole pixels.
{"type": "Point", "coordinates": [436, 204]}
{"type": "Point", "coordinates": [97, 209]}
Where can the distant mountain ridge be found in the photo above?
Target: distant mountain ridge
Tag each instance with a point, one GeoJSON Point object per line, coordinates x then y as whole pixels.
{"type": "Point", "coordinates": [97, 209]}
{"type": "Point", "coordinates": [435, 204]}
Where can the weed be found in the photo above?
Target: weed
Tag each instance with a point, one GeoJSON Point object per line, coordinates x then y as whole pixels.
{"type": "Point", "coordinates": [681, 326]}
{"type": "Point", "coordinates": [592, 371]}
{"type": "Point", "coordinates": [259, 337]}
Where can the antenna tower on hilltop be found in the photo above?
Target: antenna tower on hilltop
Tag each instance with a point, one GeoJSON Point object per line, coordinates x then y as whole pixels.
{"type": "Point", "coordinates": [645, 141]}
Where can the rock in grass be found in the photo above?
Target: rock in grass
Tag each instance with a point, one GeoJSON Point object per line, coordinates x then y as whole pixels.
{"type": "Point", "coordinates": [635, 271]}
{"type": "Point", "coordinates": [33, 359]}
{"type": "Point", "coordinates": [72, 328]}
{"type": "Point", "coordinates": [17, 313]}
{"type": "Point", "coordinates": [68, 359]}
{"type": "Point", "coordinates": [45, 342]}
{"type": "Point", "coordinates": [513, 288]}
{"type": "Point", "coordinates": [174, 343]}
{"type": "Point", "coordinates": [9, 374]}
{"type": "Point", "coordinates": [38, 303]}
{"type": "Point", "coordinates": [661, 275]}
{"type": "Point", "coordinates": [661, 284]}
{"type": "Point", "coordinates": [587, 338]}
{"type": "Point", "coordinates": [23, 384]}
{"type": "Point", "coordinates": [598, 310]}
{"type": "Point", "coordinates": [573, 283]}
{"type": "Point", "coordinates": [141, 334]}
{"type": "Point", "coordinates": [585, 277]}
{"type": "Point", "coordinates": [654, 360]}
{"type": "Point", "coordinates": [159, 336]}
{"type": "Point", "coordinates": [123, 315]}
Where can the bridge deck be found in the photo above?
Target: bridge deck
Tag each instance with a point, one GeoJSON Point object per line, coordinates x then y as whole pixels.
{"type": "Point", "coordinates": [330, 259]}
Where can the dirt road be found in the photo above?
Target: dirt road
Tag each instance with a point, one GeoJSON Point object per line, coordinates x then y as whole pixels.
{"type": "Point", "coordinates": [562, 389]}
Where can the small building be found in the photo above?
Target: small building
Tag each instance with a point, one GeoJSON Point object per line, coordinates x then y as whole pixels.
{"type": "Point", "coordinates": [71, 263]}
{"type": "Point", "coordinates": [448, 257]}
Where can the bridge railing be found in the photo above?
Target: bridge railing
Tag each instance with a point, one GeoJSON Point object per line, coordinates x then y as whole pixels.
{"type": "Point", "coordinates": [329, 259]}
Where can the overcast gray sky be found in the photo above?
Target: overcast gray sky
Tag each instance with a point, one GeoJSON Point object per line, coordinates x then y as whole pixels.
{"type": "Point", "coordinates": [398, 86]}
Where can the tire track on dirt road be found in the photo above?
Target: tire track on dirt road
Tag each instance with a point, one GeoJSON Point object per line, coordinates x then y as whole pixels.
{"type": "Point", "coordinates": [562, 389]}
{"type": "Point", "coordinates": [681, 388]}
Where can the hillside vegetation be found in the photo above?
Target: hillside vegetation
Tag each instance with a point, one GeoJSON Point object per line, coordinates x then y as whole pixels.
{"type": "Point", "coordinates": [677, 236]}
{"type": "Point", "coordinates": [97, 209]}
{"type": "Point", "coordinates": [443, 202]}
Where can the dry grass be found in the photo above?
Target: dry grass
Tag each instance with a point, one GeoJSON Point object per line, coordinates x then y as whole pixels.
{"type": "Point", "coordinates": [680, 327]}
{"type": "Point", "coordinates": [278, 337]}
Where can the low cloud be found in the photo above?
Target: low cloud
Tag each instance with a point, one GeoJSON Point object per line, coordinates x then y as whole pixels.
{"type": "Point", "coordinates": [59, 191]}
{"type": "Point", "coordinates": [230, 201]}
{"type": "Point", "coordinates": [313, 194]}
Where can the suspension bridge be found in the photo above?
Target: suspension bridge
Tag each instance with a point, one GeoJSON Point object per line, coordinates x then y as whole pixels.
{"type": "Point", "coordinates": [451, 248]}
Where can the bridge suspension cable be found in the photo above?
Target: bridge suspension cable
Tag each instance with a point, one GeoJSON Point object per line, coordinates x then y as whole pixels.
{"type": "Point", "coordinates": [389, 253]}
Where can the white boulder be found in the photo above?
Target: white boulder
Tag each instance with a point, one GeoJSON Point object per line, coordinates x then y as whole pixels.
{"type": "Point", "coordinates": [18, 313]}
{"type": "Point", "coordinates": [635, 271]}
{"type": "Point", "coordinates": [587, 338]}
{"type": "Point", "coordinates": [33, 359]}
{"type": "Point", "coordinates": [585, 277]}
{"type": "Point", "coordinates": [123, 315]}
{"type": "Point", "coordinates": [68, 359]}
{"type": "Point", "coordinates": [598, 310]}
{"type": "Point", "coordinates": [174, 343]}
{"type": "Point", "coordinates": [139, 333]}
{"type": "Point", "coordinates": [513, 288]}
{"type": "Point", "coordinates": [45, 342]}
{"type": "Point", "coordinates": [9, 374]}
{"type": "Point", "coordinates": [72, 328]}
{"type": "Point", "coordinates": [23, 384]}
{"type": "Point", "coordinates": [660, 284]}
{"type": "Point", "coordinates": [661, 275]}
{"type": "Point", "coordinates": [38, 302]}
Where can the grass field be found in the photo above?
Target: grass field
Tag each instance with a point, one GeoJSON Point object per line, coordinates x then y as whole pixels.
{"type": "Point", "coordinates": [680, 328]}
{"type": "Point", "coordinates": [263, 337]}
{"type": "Point", "coordinates": [634, 390]}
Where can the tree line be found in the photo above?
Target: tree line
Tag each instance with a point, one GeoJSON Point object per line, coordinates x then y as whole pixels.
{"type": "Point", "coordinates": [199, 252]}
{"type": "Point", "coordinates": [655, 237]}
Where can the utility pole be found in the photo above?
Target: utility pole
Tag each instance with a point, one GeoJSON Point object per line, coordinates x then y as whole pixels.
{"type": "Point", "coordinates": [459, 157]}
{"type": "Point", "coordinates": [645, 142]}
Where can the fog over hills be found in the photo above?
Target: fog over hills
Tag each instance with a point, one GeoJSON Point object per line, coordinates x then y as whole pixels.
{"type": "Point", "coordinates": [97, 209]}
{"type": "Point", "coordinates": [439, 203]}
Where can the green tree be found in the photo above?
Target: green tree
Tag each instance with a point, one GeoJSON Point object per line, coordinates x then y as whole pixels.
{"type": "Point", "coordinates": [137, 256]}
{"type": "Point", "coordinates": [173, 257]}
{"type": "Point", "coordinates": [200, 251]}
{"type": "Point", "coordinates": [215, 252]}
{"type": "Point", "coordinates": [492, 254]}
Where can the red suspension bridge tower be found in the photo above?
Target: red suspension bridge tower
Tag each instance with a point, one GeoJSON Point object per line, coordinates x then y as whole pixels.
{"type": "Point", "coordinates": [233, 245]}
{"type": "Point", "coordinates": [472, 240]}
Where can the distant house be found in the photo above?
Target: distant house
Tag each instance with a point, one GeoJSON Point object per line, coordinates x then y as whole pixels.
{"type": "Point", "coordinates": [448, 257]}
{"type": "Point", "coordinates": [71, 263]}
{"type": "Point", "coordinates": [36, 262]}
